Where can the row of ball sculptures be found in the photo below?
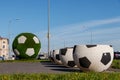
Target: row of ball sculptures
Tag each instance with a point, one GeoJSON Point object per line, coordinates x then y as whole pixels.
{"type": "Point", "coordinates": [96, 58]}
{"type": "Point", "coordinates": [87, 57]}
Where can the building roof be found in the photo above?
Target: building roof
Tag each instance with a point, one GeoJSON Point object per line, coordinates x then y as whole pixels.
{"type": "Point", "coordinates": [3, 38]}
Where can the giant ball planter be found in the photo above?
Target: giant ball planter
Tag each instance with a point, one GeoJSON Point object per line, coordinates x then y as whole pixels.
{"type": "Point", "coordinates": [26, 46]}
{"type": "Point", "coordinates": [66, 57]}
{"type": "Point", "coordinates": [93, 57]}
{"type": "Point", "coordinates": [56, 56]}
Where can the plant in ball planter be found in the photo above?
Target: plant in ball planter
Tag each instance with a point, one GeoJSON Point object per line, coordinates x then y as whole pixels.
{"type": "Point", "coordinates": [26, 46]}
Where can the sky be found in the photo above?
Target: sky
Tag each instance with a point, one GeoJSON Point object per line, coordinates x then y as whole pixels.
{"type": "Point", "coordinates": [72, 22]}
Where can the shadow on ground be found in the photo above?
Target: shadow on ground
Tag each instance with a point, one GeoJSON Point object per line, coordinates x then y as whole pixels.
{"type": "Point", "coordinates": [62, 68]}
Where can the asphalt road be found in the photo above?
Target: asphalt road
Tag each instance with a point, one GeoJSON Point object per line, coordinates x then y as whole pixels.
{"type": "Point", "coordinates": [35, 67]}
{"type": "Point", "coordinates": [38, 67]}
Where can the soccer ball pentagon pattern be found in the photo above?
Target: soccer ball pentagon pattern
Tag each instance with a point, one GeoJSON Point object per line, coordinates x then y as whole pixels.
{"type": "Point", "coordinates": [93, 57]}
{"type": "Point", "coordinates": [66, 57]}
{"type": "Point", "coordinates": [56, 56]}
{"type": "Point", "coordinates": [26, 45]}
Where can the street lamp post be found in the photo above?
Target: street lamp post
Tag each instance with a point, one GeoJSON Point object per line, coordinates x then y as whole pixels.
{"type": "Point", "coordinates": [91, 37]}
{"type": "Point", "coordinates": [9, 34]}
{"type": "Point", "coordinates": [9, 24]}
{"type": "Point", "coordinates": [48, 34]}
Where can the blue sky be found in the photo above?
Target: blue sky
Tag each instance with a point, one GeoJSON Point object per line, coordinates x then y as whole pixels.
{"type": "Point", "coordinates": [72, 22]}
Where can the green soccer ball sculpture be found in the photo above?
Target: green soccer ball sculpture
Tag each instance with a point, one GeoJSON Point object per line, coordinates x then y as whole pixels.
{"type": "Point", "coordinates": [26, 46]}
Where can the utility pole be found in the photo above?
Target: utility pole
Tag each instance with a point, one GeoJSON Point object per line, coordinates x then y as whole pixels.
{"type": "Point", "coordinates": [64, 44]}
{"type": "Point", "coordinates": [9, 35]}
{"type": "Point", "coordinates": [91, 37]}
{"type": "Point", "coordinates": [48, 34]}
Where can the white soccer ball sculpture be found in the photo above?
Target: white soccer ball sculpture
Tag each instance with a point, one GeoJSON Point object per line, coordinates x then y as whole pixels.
{"type": "Point", "coordinates": [96, 58]}
{"type": "Point", "coordinates": [56, 56]}
{"type": "Point", "coordinates": [66, 57]}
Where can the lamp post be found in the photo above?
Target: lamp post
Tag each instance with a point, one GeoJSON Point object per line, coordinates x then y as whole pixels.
{"type": "Point", "coordinates": [9, 34]}
{"type": "Point", "coordinates": [48, 34]}
{"type": "Point", "coordinates": [91, 37]}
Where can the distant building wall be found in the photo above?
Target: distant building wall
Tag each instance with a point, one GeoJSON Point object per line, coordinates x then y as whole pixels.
{"type": "Point", "coordinates": [4, 47]}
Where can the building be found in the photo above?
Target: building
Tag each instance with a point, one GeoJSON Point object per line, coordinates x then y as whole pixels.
{"type": "Point", "coordinates": [4, 47]}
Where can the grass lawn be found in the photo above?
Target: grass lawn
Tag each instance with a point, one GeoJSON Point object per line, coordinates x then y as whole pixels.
{"type": "Point", "coordinates": [116, 64]}
{"type": "Point", "coordinates": [33, 60]}
{"type": "Point", "coordinates": [67, 76]}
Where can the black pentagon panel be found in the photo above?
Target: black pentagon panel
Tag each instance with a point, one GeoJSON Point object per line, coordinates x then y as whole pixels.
{"type": "Point", "coordinates": [71, 63]}
{"type": "Point", "coordinates": [63, 51]}
{"type": "Point", "coordinates": [74, 49]}
{"type": "Point", "coordinates": [84, 62]}
{"type": "Point", "coordinates": [53, 50]}
{"type": "Point", "coordinates": [106, 58]}
{"type": "Point", "coordinates": [57, 57]}
{"type": "Point", "coordinates": [110, 45]}
{"type": "Point", "coordinates": [89, 46]}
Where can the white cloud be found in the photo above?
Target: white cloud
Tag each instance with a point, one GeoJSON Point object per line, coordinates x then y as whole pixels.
{"type": "Point", "coordinates": [81, 33]}
{"type": "Point", "coordinates": [102, 22]}
{"type": "Point", "coordinates": [74, 28]}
